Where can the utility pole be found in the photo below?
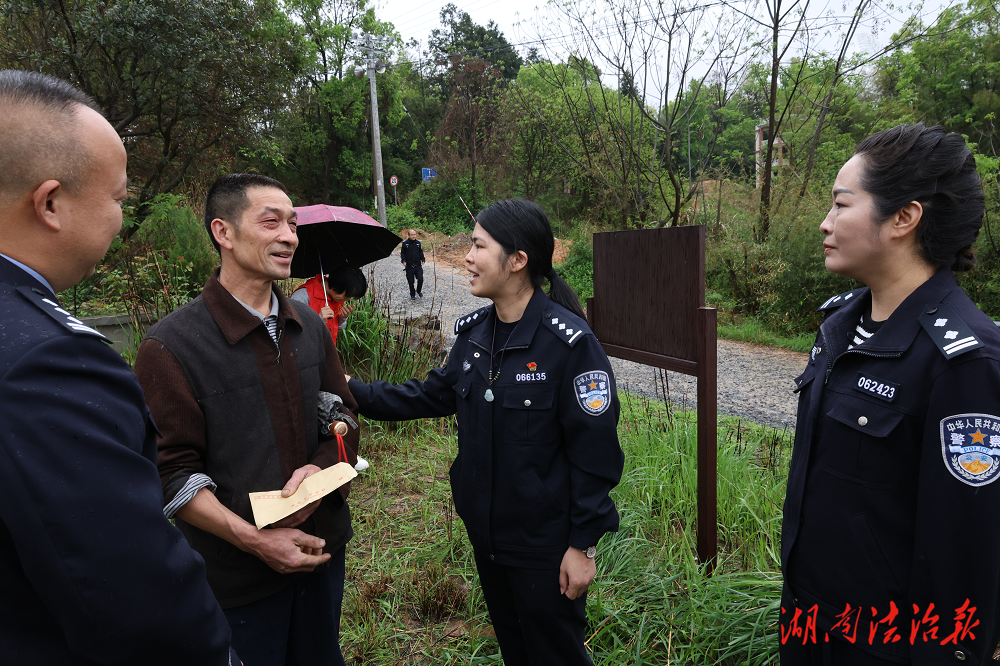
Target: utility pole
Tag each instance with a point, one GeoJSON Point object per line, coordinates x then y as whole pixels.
{"type": "Point", "coordinates": [373, 47]}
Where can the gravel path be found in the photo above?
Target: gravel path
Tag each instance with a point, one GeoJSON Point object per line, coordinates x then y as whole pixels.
{"type": "Point", "coordinates": [754, 382]}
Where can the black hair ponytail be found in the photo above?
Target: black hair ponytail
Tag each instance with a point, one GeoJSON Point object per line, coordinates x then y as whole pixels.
{"type": "Point", "coordinates": [520, 225]}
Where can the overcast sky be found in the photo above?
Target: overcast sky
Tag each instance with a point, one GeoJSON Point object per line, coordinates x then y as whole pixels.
{"type": "Point", "coordinates": [521, 21]}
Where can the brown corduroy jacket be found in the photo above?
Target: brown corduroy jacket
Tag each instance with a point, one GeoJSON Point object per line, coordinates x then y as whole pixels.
{"type": "Point", "coordinates": [231, 404]}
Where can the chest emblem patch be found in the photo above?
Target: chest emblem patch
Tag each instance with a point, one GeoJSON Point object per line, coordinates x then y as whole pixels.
{"type": "Point", "coordinates": [970, 444]}
{"type": "Point", "coordinates": [593, 392]}
{"type": "Point", "coordinates": [466, 366]}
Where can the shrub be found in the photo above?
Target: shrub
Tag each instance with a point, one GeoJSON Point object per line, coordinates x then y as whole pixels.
{"type": "Point", "coordinates": [398, 218]}
{"type": "Point", "coordinates": [578, 269]}
{"type": "Point", "coordinates": [437, 203]}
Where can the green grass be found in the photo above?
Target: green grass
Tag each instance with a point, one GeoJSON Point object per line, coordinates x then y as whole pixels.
{"type": "Point", "coordinates": [752, 331]}
{"type": "Point", "coordinates": [413, 596]}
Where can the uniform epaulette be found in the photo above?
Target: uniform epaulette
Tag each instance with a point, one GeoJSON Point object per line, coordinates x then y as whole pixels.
{"type": "Point", "coordinates": [840, 299]}
{"type": "Point", "coordinates": [567, 328]}
{"type": "Point", "coordinates": [471, 319]}
{"type": "Point", "coordinates": [948, 331]}
{"type": "Point", "coordinates": [51, 308]}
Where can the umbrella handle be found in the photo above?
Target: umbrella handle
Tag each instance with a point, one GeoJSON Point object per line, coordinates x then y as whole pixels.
{"type": "Point", "coordinates": [322, 278]}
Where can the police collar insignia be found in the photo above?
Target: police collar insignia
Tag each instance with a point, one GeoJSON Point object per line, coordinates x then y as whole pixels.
{"type": "Point", "coordinates": [466, 366]}
{"type": "Point", "coordinates": [593, 392]}
{"type": "Point", "coordinates": [970, 444]}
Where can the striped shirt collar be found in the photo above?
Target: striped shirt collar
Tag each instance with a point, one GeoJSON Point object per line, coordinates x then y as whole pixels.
{"type": "Point", "coordinates": [271, 320]}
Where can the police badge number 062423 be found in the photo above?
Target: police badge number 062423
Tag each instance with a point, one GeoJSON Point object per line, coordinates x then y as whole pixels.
{"type": "Point", "coordinates": [593, 392]}
{"type": "Point", "coordinates": [970, 444]}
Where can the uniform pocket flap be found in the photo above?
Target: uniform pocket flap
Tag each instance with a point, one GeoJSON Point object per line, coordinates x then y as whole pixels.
{"type": "Point", "coordinates": [863, 416]}
{"type": "Point", "coordinates": [463, 386]}
{"type": "Point", "coordinates": [803, 380]}
{"type": "Point", "coordinates": [524, 398]}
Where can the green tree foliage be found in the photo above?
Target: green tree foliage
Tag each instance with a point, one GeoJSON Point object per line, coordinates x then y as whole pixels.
{"type": "Point", "coordinates": [459, 37]}
{"type": "Point", "coordinates": [184, 82]}
{"type": "Point", "coordinates": [952, 76]}
{"type": "Point", "coordinates": [322, 141]}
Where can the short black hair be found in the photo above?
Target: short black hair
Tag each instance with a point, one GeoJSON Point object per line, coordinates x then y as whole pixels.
{"type": "Point", "coordinates": [227, 199]}
{"type": "Point", "coordinates": [38, 141]}
{"type": "Point", "coordinates": [935, 168]}
{"type": "Point", "coordinates": [348, 280]}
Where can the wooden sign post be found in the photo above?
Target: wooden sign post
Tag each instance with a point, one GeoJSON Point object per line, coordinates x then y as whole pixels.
{"type": "Point", "coordinates": [649, 307]}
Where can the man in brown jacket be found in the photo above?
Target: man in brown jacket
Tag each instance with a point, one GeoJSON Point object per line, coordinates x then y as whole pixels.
{"type": "Point", "coordinates": [232, 379]}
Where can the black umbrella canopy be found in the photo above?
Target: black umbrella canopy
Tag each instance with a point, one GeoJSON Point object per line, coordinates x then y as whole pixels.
{"type": "Point", "coordinates": [333, 236]}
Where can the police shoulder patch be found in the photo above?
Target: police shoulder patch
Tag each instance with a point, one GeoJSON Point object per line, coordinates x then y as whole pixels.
{"type": "Point", "coordinates": [950, 334]}
{"type": "Point", "coordinates": [471, 319]}
{"type": "Point", "coordinates": [568, 328]}
{"type": "Point", "coordinates": [840, 299]}
{"type": "Point", "coordinates": [593, 392]}
{"type": "Point", "coordinates": [50, 307]}
{"type": "Point", "coordinates": [970, 445]}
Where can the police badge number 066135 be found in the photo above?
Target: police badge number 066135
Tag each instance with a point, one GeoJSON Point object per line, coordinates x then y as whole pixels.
{"type": "Point", "coordinates": [970, 444]}
{"type": "Point", "coordinates": [593, 392]}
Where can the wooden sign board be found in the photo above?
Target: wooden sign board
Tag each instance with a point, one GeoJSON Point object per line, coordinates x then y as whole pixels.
{"type": "Point", "coordinates": [649, 307]}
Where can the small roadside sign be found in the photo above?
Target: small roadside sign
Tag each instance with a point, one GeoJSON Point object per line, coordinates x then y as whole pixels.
{"type": "Point", "coordinates": [428, 173]}
{"type": "Point", "coordinates": [394, 181]}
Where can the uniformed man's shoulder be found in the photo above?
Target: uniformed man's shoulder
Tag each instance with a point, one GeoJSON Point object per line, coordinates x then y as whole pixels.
{"type": "Point", "coordinates": [835, 302]}
{"type": "Point", "coordinates": [34, 313]}
{"type": "Point", "coordinates": [472, 319]}
{"type": "Point", "coordinates": [564, 324]}
{"type": "Point", "coordinates": [29, 318]}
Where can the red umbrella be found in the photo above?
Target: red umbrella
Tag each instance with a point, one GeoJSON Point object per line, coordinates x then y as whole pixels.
{"type": "Point", "coordinates": [331, 236]}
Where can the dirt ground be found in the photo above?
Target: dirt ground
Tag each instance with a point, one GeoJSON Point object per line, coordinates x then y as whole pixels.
{"type": "Point", "coordinates": [451, 250]}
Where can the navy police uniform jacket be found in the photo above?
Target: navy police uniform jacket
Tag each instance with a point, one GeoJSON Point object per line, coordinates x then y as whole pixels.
{"type": "Point", "coordinates": [90, 570]}
{"type": "Point", "coordinates": [411, 252]}
{"type": "Point", "coordinates": [891, 534]}
{"type": "Point", "coordinates": [536, 465]}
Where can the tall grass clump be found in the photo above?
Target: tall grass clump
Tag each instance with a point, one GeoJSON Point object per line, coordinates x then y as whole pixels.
{"type": "Point", "coordinates": [414, 596]}
{"type": "Point", "coordinates": [374, 347]}
{"type": "Point", "coordinates": [653, 601]}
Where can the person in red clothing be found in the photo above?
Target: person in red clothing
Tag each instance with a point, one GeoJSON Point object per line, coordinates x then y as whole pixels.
{"type": "Point", "coordinates": [342, 284]}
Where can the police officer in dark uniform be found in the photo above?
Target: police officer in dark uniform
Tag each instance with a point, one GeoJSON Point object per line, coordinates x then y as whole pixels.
{"type": "Point", "coordinates": [890, 542]}
{"type": "Point", "coordinates": [90, 570]}
{"type": "Point", "coordinates": [411, 254]}
{"type": "Point", "coordinates": [537, 412]}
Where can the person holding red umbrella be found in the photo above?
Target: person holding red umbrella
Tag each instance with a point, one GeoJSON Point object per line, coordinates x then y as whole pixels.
{"type": "Point", "coordinates": [329, 296]}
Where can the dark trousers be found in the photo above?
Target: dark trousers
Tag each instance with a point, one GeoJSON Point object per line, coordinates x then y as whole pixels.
{"type": "Point", "coordinates": [296, 626]}
{"type": "Point", "coordinates": [535, 624]}
{"type": "Point", "coordinates": [415, 271]}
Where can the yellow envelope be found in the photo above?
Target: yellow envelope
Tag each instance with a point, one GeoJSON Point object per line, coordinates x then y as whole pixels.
{"type": "Point", "coordinates": [269, 506]}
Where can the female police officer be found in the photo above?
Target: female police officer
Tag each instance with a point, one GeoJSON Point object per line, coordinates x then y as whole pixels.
{"type": "Point", "coordinates": [538, 449]}
{"type": "Point", "coordinates": [890, 543]}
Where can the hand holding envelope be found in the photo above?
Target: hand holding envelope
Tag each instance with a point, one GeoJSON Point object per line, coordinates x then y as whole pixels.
{"type": "Point", "coordinates": [270, 507]}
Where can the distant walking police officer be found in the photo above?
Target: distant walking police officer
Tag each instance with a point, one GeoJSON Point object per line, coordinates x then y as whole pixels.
{"type": "Point", "coordinates": [890, 540]}
{"type": "Point", "coordinates": [411, 253]}
{"type": "Point", "coordinates": [538, 454]}
{"type": "Point", "coordinates": [90, 570]}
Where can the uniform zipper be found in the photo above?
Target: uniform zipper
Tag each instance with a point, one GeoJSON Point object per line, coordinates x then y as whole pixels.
{"type": "Point", "coordinates": [486, 350]}
{"type": "Point", "coordinates": [830, 361]}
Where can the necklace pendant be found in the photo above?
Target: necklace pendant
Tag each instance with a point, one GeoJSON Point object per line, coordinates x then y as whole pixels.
{"type": "Point", "coordinates": [488, 395]}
